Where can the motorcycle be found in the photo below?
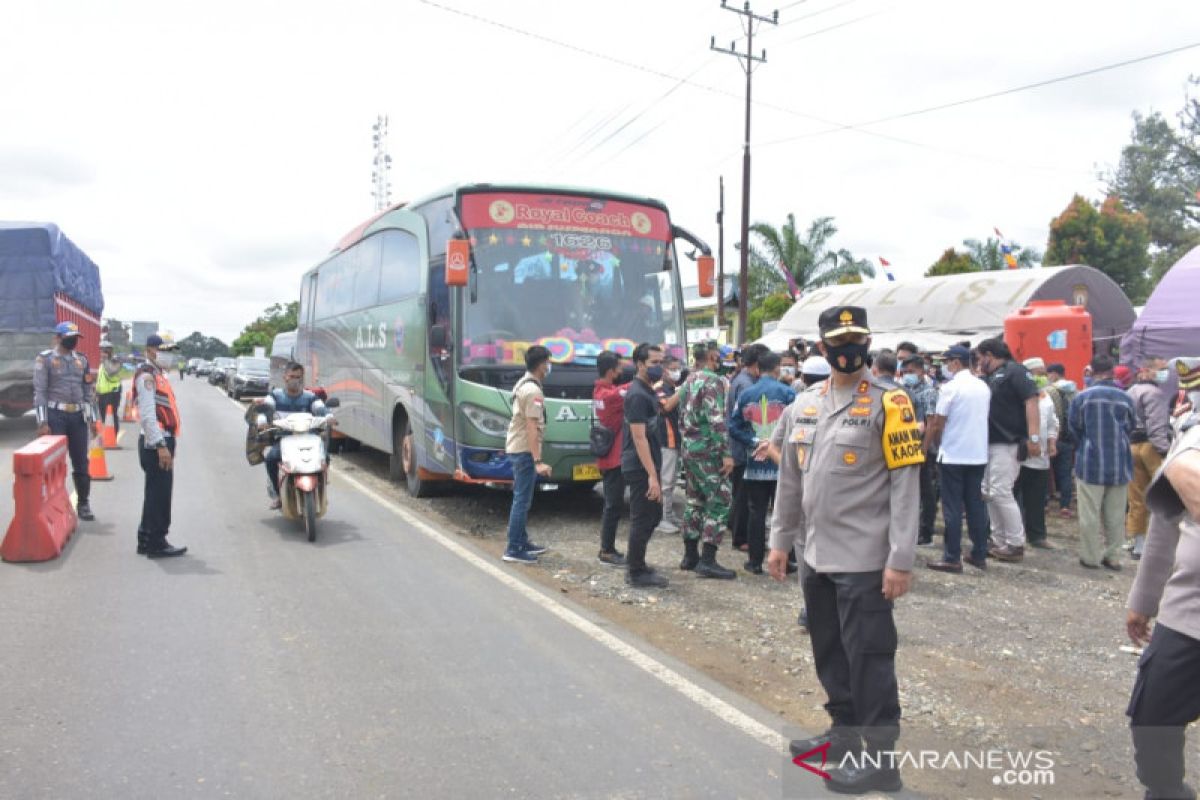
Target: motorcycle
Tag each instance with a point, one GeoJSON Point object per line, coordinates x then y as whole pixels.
{"type": "Point", "coordinates": [303, 466]}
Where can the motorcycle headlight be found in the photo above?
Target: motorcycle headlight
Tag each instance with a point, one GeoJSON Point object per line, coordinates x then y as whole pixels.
{"type": "Point", "coordinates": [487, 422]}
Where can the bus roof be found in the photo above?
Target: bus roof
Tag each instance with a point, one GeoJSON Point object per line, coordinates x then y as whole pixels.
{"type": "Point", "coordinates": [356, 234]}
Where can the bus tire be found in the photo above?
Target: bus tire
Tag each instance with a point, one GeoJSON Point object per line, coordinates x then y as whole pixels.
{"type": "Point", "coordinates": [396, 459]}
{"type": "Point", "coordinates": [417, 486]}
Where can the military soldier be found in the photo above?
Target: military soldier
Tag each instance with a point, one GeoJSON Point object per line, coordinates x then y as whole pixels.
{"type": "Point", "coordinates": [707, 464]}
{"type": "Point", "coordinates": [847, 502]}
{"type": "Point", "coordinates": [64, 399]}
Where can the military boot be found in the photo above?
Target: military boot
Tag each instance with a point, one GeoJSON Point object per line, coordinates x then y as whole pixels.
{"type": "Point", "coordinates": [691, 555]}
{"type": "Point", "coordinates": [709, 568]}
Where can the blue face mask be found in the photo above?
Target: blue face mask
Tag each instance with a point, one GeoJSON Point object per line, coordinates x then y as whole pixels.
{"type": "Point", "coordinates": [1161, 376]}
{"type": "Point", "coordinates": [910, 379]}
{"type": "Point", "coordinates": [655, 374]}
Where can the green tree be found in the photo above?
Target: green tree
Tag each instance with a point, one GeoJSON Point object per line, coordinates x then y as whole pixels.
{"type": "Point", "coordinates": [952, 262]}
{"type": "Point", "coordinates": [771, 308]}
{"type": "Point", "coordinates": [261, 332]}
{"type": "Point", "coordinates": [1157, 176]}
{"type": "Point", "coordinates": [1110, 238]}
{"type": "Point", "coordinates": [810, 258]}
{"type": "Point", "coordinates": [988, 255]}
{"type": "Point", "coordinates": [197, 345]}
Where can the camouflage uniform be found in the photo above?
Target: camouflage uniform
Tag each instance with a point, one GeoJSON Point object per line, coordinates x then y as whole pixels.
{"type": "Point", "coordinates": [705, 443]}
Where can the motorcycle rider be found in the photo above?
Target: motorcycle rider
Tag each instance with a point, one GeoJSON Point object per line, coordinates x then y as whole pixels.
{"type": "Point", "coordinates": [293, 398]}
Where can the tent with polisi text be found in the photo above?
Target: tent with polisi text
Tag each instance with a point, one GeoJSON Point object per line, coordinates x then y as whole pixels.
{"type": "Point", "coordinates": [936, 312]}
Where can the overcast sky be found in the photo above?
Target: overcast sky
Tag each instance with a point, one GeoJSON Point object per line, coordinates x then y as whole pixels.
{"type": "Point", "coordinates": [206, 155]}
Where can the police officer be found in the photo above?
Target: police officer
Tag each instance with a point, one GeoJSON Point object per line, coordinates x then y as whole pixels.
{"type": "Point", "coordinates": [108, 386]}
{"type": "Point", "coordinates": [847, 502]}
{"type": "Point", "coordinates": [64, 399]}
{"type": "Point", "coordinates": [159, 417]}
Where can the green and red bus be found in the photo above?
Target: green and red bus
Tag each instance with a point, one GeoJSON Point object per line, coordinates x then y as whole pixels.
{"type": "Point", "coordinates": [424, 358]}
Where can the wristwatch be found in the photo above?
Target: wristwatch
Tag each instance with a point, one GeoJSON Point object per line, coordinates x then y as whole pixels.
{"type": "Point", "coordinates": [1035, 439]}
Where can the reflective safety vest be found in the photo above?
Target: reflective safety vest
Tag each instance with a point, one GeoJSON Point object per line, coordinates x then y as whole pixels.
{"type": "Point", "coordinates": [165, 408]}
{"type": "Point", "coordinates": [106, 384]}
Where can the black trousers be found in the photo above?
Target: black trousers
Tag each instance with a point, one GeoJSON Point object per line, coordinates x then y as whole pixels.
{"type": "Point", "coordinates": [739, 512]}
{"type": "Point", "coordinates": [156, 502]}
{"type": "Point", "coordinates": [929, 497]}
{"type": "Point", "coordinates": [112, 400]}
{"type": "Point", "coordinates": [853, 638]}
{"type": "Point", "coordinates": [614, 506]}
{"type": "Point", "coordinates": [644, 516]}
{"type": "Point", "coordinates": [1030, 491]}
{"type": "Point", "coordinates": [1165, 700]}
{"type": "Point", "coordinates": [758, 498]}
{"type": "Point", "coordinates": [73, 426]}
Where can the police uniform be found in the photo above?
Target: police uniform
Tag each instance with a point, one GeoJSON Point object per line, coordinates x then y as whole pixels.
{"type": "Point", "coordinates": [848, 502]}
{"type": "Point", "coordinates": [1166, 696]}
{"type": "Point", "coordinates": [64, 399]}
{"type": "Point", "coordinates": [158, 415]}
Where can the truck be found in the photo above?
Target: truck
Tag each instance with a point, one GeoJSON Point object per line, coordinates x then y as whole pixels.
{"type": "Point", "coordinates": [44, 279]}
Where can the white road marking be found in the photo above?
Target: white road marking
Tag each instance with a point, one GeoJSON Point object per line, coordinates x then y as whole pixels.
{"type": "Point", "coordinates": [698, 695]}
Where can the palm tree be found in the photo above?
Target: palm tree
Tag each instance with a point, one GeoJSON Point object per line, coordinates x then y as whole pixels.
{"type": "Point", "coordinates": [810, 260]}
{"type": "Point", "coordinates": [989, 257]}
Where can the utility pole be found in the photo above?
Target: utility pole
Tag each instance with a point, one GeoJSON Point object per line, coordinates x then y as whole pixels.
{"type": "Point", "coordinates": [721, 258]}
{"type": "Point", "coordinates": [747, 61]}
{"type": "Point", "coordinates": [381, 174]}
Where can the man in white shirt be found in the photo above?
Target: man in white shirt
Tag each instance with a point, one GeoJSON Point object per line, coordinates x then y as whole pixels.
{"type": "Point", "coordinates": [958, 432]}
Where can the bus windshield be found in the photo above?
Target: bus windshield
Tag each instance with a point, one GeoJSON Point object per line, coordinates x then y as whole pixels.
{"type": "Point", "coordinates": [578, 275]}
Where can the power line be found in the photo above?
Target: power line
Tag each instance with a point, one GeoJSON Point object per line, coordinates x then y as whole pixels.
{"type": "Point", "coordinates": [988, 96]}
{"type": "Point", "coordinates": [811, 34]}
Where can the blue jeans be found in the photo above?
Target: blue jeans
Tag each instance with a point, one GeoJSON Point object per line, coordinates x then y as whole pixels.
{"type": "Point", "coordinates": [524, 477]}
{"type": "Point", "coordinates": [961, 484]}
{"type": "Point", "coordinates": [1063, 465]}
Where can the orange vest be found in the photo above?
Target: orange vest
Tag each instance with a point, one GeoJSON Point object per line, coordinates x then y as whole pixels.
{"type": "Point", "coordinates": [165, 408]}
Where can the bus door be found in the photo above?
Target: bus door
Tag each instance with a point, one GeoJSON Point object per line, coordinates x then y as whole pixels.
{"type": "Point", "coordinates": [439, 437]}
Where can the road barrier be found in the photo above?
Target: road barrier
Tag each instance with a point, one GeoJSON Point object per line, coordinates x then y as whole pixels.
{"type": "Point", "coordinates": [44, 518]}
{"type": "Point", "coordinates": [97, 464]}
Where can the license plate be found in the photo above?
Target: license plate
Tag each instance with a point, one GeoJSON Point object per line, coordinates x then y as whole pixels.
{"type": "Point", "coordinates": [585, 472]}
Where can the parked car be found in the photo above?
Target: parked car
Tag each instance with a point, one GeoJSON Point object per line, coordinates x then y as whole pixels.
{"type": "Point", "coordinates": [248, 376]}
{"type": "Point", "coordinates": [192, 364]}
{"type": "Point", "coordinates": [204, 368]}
{"type": "Point", "coordinates": [216, 375]}
{"type": "Point", "coordinates": [283, 351]}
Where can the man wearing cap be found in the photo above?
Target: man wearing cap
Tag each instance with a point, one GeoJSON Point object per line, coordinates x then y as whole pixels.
{"type": "Point", "coordinates": [958, 432]}
{"type": "Point", "coordinates": [1166, 697]}
{"type": "Point", "coordinates": [849, 457]}
{"type": "Point", "coordinates": [108, 385]}
{"type": "Point", "coordinates": [159, 416]}
{"type": "Point", "coordinates": [64, 400]}
{"type": "Point", "coordinates": [1149, 442]}
{"type": "Point", "coordinates": [815, 369]}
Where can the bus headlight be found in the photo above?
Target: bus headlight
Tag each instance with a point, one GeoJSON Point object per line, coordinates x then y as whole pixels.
{"type": "Point", "coordinates": [487, 422]}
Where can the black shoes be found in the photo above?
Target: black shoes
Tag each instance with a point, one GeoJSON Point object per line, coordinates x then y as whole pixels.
{"type": "Point", "coordinates": [165, 550]}
{"type": "Point", "coordinates": [752, 568]}
{"type": "Point", "coordinates": [691, 555]}
{"type": "Point", "coordinates": [645, 578]}
{"type": "Point", "coordinates": [613, 558]}
{"type": "Point", "coordinates": [84, 511]}
{"type": "Point", "coordinates": [1110, 564]}
{"type": "Point", "coordinates": [709, 568]}
{"type": "Point", "coordinates": [840, 741]}
{"type": "Point", "coordinates": [860, 780]}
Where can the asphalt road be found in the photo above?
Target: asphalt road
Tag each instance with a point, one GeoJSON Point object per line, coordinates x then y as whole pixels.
{"type": "Point", "coordinates": [377, 662]}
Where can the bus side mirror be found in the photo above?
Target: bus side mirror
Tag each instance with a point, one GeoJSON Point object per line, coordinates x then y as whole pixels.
{"type": "Point", "coordinates": [458, 257]}
{"type": "Point", "coordinates": [437, 337]}
{"type": "Point", "coordinates": [705, 265]}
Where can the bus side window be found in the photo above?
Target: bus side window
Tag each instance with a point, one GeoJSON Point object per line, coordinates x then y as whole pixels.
{"type": "Point", "coordinates": [401, 266]}
{"type": "Point", "coordinates": [366, 272]}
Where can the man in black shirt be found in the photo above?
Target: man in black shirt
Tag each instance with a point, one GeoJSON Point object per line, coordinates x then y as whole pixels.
{"type": "Point", "coordinates": [641, 462]}
{"type": "Point", "coordinates": [1013, 425]}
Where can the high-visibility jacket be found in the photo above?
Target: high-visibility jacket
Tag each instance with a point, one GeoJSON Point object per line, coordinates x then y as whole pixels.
{"type": "Point", "coordinates": [165, 409]}
{"type": "Point", "coordinates": [105, 383]}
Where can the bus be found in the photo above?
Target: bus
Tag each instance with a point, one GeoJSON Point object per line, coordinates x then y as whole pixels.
{"type": "Point", "coordinates": [423, 354]}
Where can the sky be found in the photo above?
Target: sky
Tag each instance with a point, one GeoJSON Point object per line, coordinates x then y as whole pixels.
{"type": "Point", "coordinates": [207, 155]}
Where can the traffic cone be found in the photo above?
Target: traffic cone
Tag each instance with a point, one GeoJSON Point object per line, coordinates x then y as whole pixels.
{"type": "Point", "coordinates": [108, 436]}
{"type": "Point", "coordinates": [97, 466]}
{"type": "Point", "coordinates": [131, 413]}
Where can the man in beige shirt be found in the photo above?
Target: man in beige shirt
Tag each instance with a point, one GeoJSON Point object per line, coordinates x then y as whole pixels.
{"type": "Point", "coordinates": [847, 501]}
{"type": "Point", "coordinates": [526, 431]}
{"type": "Point", "coordinates": [1166, 694]}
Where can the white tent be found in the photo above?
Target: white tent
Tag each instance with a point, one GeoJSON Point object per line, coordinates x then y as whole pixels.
{"type": "Point", "coordinates": [936, 312]}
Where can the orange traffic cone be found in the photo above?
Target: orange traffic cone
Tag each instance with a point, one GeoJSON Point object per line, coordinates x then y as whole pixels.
{"type": "Point", "coordinates": [108, 436]}
{"type": "Point", "coordinates": [131, 413]}
{"type": "Point", "coordinates": [97, 466]}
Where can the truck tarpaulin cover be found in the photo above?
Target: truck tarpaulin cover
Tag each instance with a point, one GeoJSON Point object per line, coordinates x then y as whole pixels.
{"type": "Point", "coordinates": [36, 262]}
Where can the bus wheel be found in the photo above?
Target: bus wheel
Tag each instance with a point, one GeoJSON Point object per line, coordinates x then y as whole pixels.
{"type": "Point", "coordinates": [396, 466]}
{"type": "Point", "coordinates": [412, 478]}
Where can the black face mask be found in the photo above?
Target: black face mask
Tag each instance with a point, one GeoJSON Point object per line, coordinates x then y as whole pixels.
{"type": "Point", "coordinates": [846, 358]}
{"type": "Point", "coordinates": [70, 343]}
{"type": "Point", "coordinates": [626, 374]}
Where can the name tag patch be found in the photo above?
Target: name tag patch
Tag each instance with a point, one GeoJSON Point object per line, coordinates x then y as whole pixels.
{"type": "Point", "coordinates": [901, 441]}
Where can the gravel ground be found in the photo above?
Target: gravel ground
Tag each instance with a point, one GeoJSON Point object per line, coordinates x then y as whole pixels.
{"type": "Point", "coordinates": [1026, 654]}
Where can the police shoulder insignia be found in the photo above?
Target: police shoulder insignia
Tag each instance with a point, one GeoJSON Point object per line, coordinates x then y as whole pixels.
{"type": "Point", "coordinates": [863, 386]}
{"type": "Point", "coordinates": [901, 441]}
